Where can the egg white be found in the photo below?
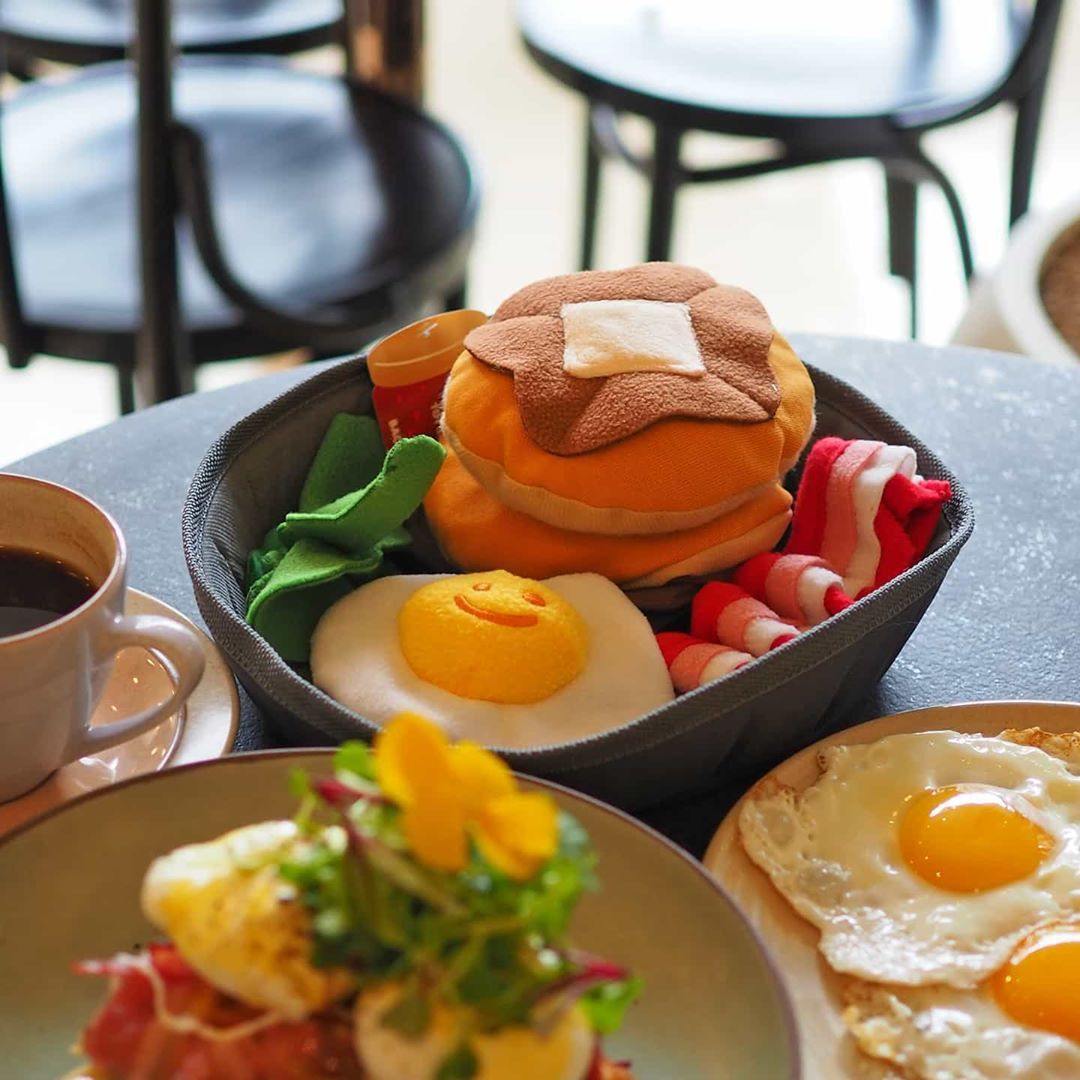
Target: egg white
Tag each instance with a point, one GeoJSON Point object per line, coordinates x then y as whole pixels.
{"type": "Point", "coordinates": [357, 659]}
{"type": "Point", "coordinates": [942, 1033]}
{"type": "Point", "coordinates": [832, 851]}
{"type": "Point", "coordinates": [238, 923]}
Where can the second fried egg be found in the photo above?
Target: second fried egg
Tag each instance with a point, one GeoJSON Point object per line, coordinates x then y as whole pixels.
{"type": "Point", "coordinates": [1022, 1023]}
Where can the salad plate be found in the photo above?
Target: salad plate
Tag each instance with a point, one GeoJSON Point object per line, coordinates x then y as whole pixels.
{"type": "Point", "coordinates": [711, 1005]}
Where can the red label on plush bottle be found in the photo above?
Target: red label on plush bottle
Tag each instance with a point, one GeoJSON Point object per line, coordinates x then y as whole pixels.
{"type": "Point", "coordinates": [408, 410]}
{"type": "Point", "coordinates": [409, 371]}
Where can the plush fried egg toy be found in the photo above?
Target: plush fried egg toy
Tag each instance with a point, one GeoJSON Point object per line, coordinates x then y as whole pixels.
{"type": "Point", "coordinates": [496, 658]}
{"type": "Point", "coordinates": [923, 858]}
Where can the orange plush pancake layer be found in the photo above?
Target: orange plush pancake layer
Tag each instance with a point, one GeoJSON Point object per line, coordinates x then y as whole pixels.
{"type": "Point", "coordinates": [676, 474]}
{"type": "Point", "coordinates": [485, 533]}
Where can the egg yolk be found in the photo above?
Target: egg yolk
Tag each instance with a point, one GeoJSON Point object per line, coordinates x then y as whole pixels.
{"type": "Point", "coordinates": [493, 637]}
{"type": "Point", "coordinates": [1037, 986]}
{"type": "Point", "coordinates": [968, 839]}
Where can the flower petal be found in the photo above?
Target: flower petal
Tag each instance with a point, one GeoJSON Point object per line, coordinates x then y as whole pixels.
{"type": "Point", "coordinates": [434, 828]}
{"type": "Point", "coordinates": [518, 833]}
{"type": "Point", "coordinates": [504, 859]}
{"type": "Point", "coordinates": [412, 757]}
{"type": "Point", "coordinates": [480, 775]}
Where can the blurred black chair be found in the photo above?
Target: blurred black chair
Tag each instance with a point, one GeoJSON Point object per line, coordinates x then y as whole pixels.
{"type": "Point", "coordinates": [92, 31]}
{"type": "Point", "coordinates": [275, 209]}
{"type": "Point", "coordinates": [826, 82]}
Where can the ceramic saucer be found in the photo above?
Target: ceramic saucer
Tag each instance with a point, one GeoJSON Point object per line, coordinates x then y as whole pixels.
{"type": "Point", "coordinates": [205, 727]}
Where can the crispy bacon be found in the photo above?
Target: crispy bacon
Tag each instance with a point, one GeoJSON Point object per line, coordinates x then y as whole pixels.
{"type": "Point", "coordinates": [604, 1069]}
{"type": "Point", "coordinates": [614, 1070]}
{"type": "Point", "coordinates": [128, 1040]}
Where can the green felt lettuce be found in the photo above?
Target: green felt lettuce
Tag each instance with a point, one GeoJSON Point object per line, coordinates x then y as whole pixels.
{"type": "Point", "coordinates": [353, 504]}
{"type": "Point", "coordinates": [350, 457]}
{"type": "Point", "coordinates": [309, 579]}
{"type": "Point", "coordinates": [263, 561]}
{"type": "Point", "coordinates": [356, 521]}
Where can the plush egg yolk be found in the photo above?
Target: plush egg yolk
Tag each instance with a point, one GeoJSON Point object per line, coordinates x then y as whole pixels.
{"type": "Point", "coordinates": [1037, 986]}
{"type": "Point", "coordinates": [493, 637]}
{"type": "Point", "coordinates": [969, 839]}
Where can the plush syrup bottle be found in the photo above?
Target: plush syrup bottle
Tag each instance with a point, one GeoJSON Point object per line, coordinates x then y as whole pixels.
{"type": "Point", "coordinates": [409, 370]}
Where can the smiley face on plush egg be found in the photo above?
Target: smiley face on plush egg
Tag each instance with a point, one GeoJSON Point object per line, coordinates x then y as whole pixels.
{"type": "Point", "coordinates": [470, 635]}
{"type": "Point", "coordinates": [497, 658]}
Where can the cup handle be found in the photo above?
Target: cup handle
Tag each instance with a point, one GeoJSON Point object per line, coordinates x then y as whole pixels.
{"type": "Point", "coordinates": [183, 651]}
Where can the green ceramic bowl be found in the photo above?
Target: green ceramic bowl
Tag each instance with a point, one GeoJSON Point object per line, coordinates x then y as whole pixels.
{"type": "Point", "coordinates": [69, 888]}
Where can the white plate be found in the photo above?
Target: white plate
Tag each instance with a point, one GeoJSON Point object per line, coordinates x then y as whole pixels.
{"type": "Point", "coordinates": [827, 1052]}
{"type": "Point", "coordinates": [204, 728]}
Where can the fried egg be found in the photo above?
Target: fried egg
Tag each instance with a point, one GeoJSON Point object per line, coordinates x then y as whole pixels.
{"type": "Point", "coordinates": [1023, 1022]}
{"type": "Point", "coordinates": [563, 1053]}
{"type": "Point", "coordinates": [238, 923]}
{"type": "Point", "coordinates": [923, 858]}
{"type": "Point", "coordinates": [499, 659]}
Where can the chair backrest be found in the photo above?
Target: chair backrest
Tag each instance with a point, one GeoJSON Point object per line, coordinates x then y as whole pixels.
{"type": "Point", "coordinates": [1036, 31]}
{"type": "Point", "coordinates": [12, 324]}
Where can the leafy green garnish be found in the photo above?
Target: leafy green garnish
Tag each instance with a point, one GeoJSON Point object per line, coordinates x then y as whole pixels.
{"type": "Point", "coordinates": [476, 938]}
{"type": "Point", "coordinates": [355, 758]}
{"type": "Point", "coordinates": [409, 1015]}
{"type": "Point", "coordinates": [606, 1004]}
{"type": "Point", "coordinates": [299, 784]}
{"type": "Point", "coordinates": [461, 1064]}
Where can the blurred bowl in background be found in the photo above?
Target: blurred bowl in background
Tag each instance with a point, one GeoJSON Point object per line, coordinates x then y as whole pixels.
{"type": "Point", "coordinates": [1007, 311]}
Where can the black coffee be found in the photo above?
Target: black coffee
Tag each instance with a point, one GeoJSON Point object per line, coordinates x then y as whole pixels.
{"type": "Point", "coordinates": [36, 589]}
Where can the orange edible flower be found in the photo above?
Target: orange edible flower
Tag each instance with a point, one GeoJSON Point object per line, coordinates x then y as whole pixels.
{"type": "Point", "coordinates": [451, 792]}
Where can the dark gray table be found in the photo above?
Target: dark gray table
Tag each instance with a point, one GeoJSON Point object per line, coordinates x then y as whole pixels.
{"type": "Point", "coordinates": [1005, 625]}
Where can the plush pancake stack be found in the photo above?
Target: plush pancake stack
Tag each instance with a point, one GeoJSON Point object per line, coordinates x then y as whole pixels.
{"type": "Point", "coordinates": [633, 423]}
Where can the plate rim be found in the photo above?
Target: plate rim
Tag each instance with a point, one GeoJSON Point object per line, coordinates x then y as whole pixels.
{"type": "Point", "coordinates": [217, 665]}
{"type": "Point", "coordinates": [905, 717]}
{"type": "Point", "coordinates": [779, 988]}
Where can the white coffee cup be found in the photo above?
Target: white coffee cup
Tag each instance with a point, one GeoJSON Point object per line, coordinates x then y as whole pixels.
{"type": "Point", "coordinates": [52, 677]}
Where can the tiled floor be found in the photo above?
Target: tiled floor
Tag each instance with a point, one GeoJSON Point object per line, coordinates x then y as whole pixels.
{"type": "Point", "coordinates": [810, 243]}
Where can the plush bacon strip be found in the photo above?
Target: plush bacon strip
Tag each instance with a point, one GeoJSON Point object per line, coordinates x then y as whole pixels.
{"type": "Point", "coordinates": [692, 662]}
{"type": "Point", "coordinates": [724, 613]}
{"type": "Point", "coordinates": [863, 509]}
{"type": "Point", "coordinates": [801, 588]}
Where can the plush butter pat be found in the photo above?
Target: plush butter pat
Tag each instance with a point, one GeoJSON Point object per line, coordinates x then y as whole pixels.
{"type": "Point", "coordinates": [612, 337]}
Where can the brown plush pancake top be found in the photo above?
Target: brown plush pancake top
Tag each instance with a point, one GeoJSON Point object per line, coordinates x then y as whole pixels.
{"type": "Point", "coordinates": [567, 415]}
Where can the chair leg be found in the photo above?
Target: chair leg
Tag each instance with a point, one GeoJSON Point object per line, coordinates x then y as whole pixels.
{"type": "Point", "coordinates": [19, 67]}
{"type": "Point", "coordinates": [457, 297]}
{"type": "Point", "coordinates": [164, 366]}
{"type": "Point", "coordinates": [901, 197]}
{"type": "Point", "coordinates": [125, 384]}
{"type": "Point", "coordinates": [1025, 141]}
{"type": "Point", "coordinates": [927, 169]}
{"type": "Point", "coordinates": [590, 209]}
{"type": "Point", "coordinates": [665, 176]}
